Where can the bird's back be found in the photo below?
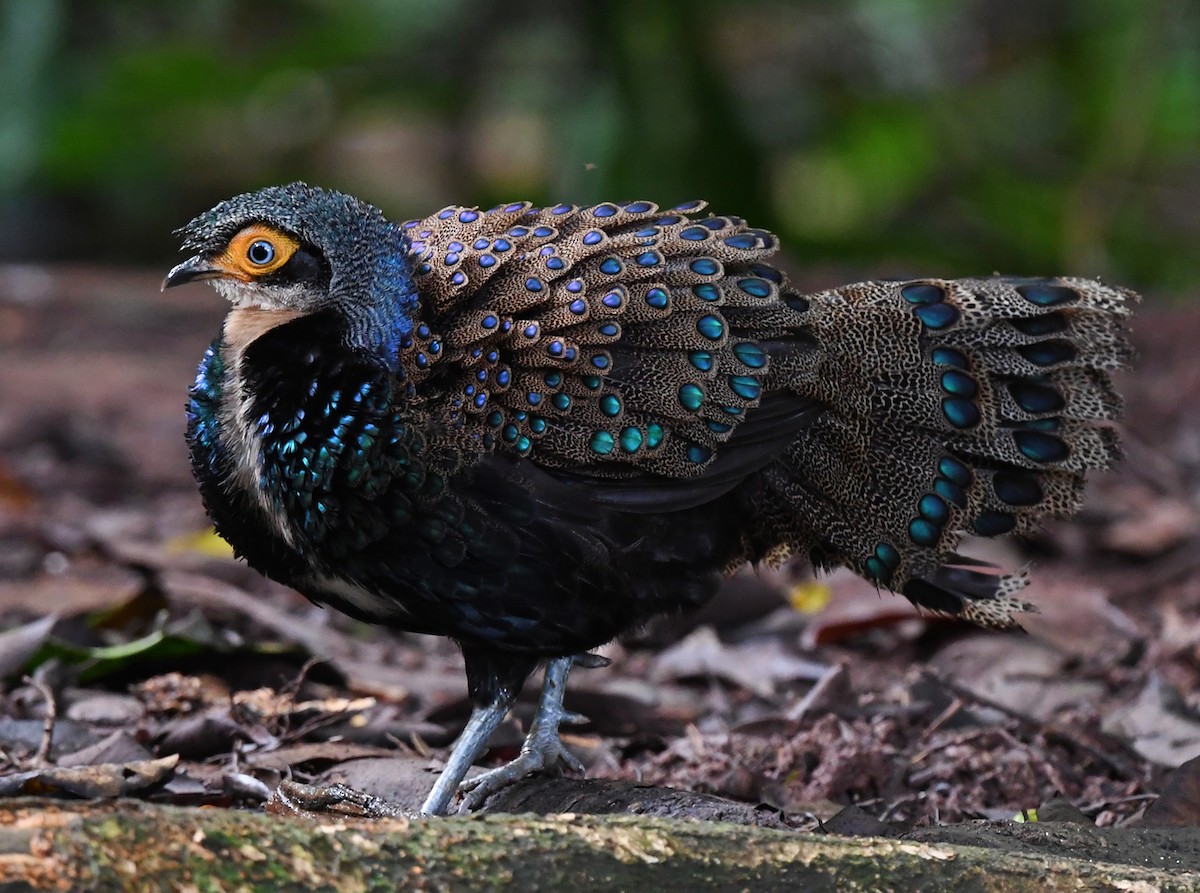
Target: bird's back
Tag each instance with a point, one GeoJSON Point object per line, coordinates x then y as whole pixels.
{"type": "Point", "coordinates": [659, 362]}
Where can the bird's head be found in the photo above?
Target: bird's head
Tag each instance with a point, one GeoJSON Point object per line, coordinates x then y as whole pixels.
{"type": "Point", "coordinates": [296, 250]}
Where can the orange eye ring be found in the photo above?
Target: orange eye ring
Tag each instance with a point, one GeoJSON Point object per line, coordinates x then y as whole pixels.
{"type": "Point", "coordinates": [257, 251]}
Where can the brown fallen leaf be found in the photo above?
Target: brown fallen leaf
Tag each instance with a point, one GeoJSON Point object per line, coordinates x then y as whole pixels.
{"type": "Point", "coordinates": [1078, 619]}
{"type": "Point", "coordinates": [198, 736]}
{"type": "Point", "coordinates": [105, 780]}
{"type": "Point", "coordinates": [1019, 674]}
{"type": "Point", "coordinates": [1179, 804]}
{"type": "Point", "coordinates": [104, 708]}
{"type": "Point", "coordinates": [83, 588]}
{"type": "Point", "coordinates": [1157, 726]}
{"type": "Point", "coordinates": [267, 703]}
{"type": "Point", "coordinates": [756, 666]}
{"type": "Point", "coordinates": [119, 747]}
{"type": "Point", "coordinates": [1153, 524]}
{"type": "Point", "coordinates": [315, 753]}
{"type": "Point", "coordinates": [175, 693]}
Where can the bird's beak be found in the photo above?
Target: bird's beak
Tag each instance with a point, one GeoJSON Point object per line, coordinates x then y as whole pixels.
{"type": "Point", "coordinates": [192, 269]}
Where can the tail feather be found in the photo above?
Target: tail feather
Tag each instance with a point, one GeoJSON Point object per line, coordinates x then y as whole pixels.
{"type": "Point", "coordinates": [954, 407]}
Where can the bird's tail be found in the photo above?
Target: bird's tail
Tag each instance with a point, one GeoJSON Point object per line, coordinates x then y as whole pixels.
{"type": "Point", "coordinates": [973, 406]}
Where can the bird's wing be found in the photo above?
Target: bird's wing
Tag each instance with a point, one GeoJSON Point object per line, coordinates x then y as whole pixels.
{"type": "Point", "coordinates": [616, 342]}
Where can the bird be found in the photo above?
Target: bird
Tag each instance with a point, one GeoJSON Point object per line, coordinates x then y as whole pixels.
{"type": "Point", "coordinates": [530, 429]}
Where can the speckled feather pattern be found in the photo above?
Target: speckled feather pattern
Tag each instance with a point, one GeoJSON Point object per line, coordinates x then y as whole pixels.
{"type": "Point", "coordinates": [595, 338]}
{"type": "Point", "coordinates": [951, 406]}
{"type": "Point", "coordinates": [531, 428]}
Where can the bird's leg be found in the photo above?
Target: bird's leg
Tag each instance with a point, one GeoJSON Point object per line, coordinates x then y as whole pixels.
{"type": "Point", "coordinates": [470, 744]}
{"type": "Point", "coordinates": [543, 750]}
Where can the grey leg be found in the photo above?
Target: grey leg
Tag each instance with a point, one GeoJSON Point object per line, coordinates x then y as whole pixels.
{"type": "Point", "coordinates": [470, 745]}
{"type": "Point", "coordinates": [543, 750]}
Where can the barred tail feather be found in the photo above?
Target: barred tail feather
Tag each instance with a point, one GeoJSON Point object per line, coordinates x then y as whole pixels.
{"type": "Point", "coordinates": [973, 406]}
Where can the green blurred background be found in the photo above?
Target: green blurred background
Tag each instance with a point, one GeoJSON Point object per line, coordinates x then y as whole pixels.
{"type": "Point", "coordinates": [877, 136]}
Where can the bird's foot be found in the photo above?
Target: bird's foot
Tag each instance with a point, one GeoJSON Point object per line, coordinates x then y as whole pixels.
{"type": "Point", "coordinates": [305, 800]}
{"type": "Point", "coordinates": [589, 661]}
{"type": "Point", "coordinates": [543, 752]}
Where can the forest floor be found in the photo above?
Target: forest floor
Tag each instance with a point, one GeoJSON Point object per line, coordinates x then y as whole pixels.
{"type": "Point", "coordinates": [136, 648]}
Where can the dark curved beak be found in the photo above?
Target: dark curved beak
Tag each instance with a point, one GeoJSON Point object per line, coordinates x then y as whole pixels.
{"type": "Point", "coordinates": [191, 270]}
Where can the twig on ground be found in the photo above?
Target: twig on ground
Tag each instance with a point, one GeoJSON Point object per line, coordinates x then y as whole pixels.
{"type": "Point", "coordinates": [41, 757]}
{"type": "Point", "coordinates": [832, 676]}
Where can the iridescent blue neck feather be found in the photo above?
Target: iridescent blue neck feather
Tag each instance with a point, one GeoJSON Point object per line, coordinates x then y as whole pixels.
{"type": "Point", "coordinates": [382, 320]}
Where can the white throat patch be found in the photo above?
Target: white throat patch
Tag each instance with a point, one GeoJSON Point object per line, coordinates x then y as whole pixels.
{"type": "Point", "coordinates": [244, 326]}
{"type": "Point", "coordinates": [252, 295]}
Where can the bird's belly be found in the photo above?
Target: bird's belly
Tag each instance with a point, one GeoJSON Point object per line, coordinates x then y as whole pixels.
{"type": "Point", "coordinates": [358, 601]}
{"type": "Point", "coordinates": [562, 611]}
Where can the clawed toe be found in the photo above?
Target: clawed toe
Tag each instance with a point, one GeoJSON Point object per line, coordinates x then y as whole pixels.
{"type": "Point", "coordinates": [552, 759]}
{"type": "Point", "coordinates": [300, 799]}
{"type": "Point", "coordinates": [543, 750]}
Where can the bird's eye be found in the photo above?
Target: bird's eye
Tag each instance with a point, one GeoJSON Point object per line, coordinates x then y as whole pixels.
{"type": "Point", "coordinates": [257, 251]}
{"type": "Point", "coordinates": [261, 252]}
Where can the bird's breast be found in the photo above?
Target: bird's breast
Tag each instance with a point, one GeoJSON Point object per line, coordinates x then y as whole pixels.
{"type": "Point", "coordinates": [240, 419]}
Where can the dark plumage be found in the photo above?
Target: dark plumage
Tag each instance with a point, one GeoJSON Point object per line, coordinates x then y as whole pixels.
{"type": "Point", "coordinates": [530, 429]}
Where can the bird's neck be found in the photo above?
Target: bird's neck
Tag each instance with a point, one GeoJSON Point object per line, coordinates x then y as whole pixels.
{"type": "Point", "coordinates": [384, 302]}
